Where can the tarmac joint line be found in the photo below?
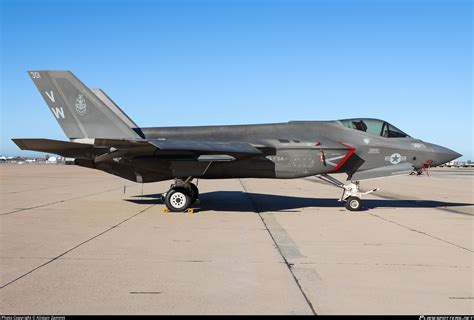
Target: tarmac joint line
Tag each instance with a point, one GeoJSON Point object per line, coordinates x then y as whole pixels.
{"type": "Point", "coordinates": [145, 292]}
{"type": "Point", "coordinates": [56, 202]}
{"type": "Point", "coordinates": [421, 232]}
{"type": "Point", "coordinates": [75, 247]}
{"type": "Point", "coordinates": [288, 265]}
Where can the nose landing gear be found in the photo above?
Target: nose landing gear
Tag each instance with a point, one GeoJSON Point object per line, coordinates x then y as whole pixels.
{"type": "Point", "coordinates": [351, 194]}
{"type": "Point", "coordinates": [181, 195]}
{"type": "Point", "coordinates": [353, 204]}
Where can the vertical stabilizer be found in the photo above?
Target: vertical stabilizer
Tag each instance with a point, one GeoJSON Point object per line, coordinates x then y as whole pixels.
{"type": "Point", "coordinates": [80, 112]}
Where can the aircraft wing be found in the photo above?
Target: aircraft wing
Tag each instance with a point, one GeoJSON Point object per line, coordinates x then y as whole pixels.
{"type": "Point", "coordinates": [206, 146]}
{"type": "Point", "coordinates": [194, 146]}
{"type": "Point", "coordinates": [386, 171]}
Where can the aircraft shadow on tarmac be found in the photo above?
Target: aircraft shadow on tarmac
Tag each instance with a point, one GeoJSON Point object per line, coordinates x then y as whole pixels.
{"type": "Point", "coordinates": [248, 201]}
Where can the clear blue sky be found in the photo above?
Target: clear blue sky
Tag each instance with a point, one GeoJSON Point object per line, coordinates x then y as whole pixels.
{"type": "Point", "coordinates": [171, 63]}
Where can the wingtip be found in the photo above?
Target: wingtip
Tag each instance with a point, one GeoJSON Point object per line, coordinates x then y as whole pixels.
{"type": "Point", "coordinates": [18, 143]}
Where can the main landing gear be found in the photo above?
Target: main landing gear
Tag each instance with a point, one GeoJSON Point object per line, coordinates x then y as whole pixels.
{"type": "Point", "coordinates": [181, 195]}
{"type": "Point", "coordinates": [351, 194]}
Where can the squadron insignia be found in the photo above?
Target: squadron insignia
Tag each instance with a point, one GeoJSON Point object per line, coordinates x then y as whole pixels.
{"type": "Point", "coordinates": [81, 106]}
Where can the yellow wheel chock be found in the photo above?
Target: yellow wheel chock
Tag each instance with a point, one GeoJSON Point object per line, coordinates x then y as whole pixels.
{"type": "Point", "coordinates": [189, 210]}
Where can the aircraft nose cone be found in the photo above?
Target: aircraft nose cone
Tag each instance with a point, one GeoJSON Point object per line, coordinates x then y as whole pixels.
{"type": "Point", "coordinates": [442, 155]}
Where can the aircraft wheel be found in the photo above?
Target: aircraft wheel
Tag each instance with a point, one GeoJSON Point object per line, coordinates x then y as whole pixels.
{"type": "Point", "coordinates": [178, 199]}
{"type": "Point", "coordinates": [353, 204]}
{"type": "Point", "coordinates": [194, 192]}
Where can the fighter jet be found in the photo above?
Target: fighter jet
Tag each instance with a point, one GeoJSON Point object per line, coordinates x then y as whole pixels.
{"type": "Point", "coordinates": [103, 137]}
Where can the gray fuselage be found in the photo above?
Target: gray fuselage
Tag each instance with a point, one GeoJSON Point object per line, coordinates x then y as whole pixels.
{"type": "Point", "coordinates": [289, 150]}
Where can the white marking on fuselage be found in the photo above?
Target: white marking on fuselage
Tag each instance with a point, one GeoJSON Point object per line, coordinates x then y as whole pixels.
{"type": "Point", "coordinates": [276, 158]}
{"type": "Point", "coordinates": [395, 158]}
{"type": "Point", "coordinates": [329, 161]}
{"type": "Point", "coordinates": [418, 145]}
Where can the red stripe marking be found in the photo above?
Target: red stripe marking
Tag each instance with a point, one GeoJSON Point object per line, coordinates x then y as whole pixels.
{"type": "Point", "coordinates": [352, 150]}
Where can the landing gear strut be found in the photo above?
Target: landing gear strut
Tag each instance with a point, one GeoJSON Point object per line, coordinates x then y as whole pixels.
{"type": "Point", "coordinates": [351, 194]}
{"type": "Point", "coordinates": [181, 195]}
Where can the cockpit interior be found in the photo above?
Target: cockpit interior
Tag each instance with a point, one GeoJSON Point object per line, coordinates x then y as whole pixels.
{"type": "Point", "coordinates": [374, 126]}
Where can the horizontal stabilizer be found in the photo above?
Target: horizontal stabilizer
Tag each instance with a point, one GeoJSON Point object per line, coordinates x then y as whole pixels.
{"type": "Point", "coordinates": [63, 148]}
{"type": "Point", "coordinates": [48, 145]}
{"type": "Point", "coordinates": [386, 171]}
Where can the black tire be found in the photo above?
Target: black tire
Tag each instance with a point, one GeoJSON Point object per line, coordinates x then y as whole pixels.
{"type": "Point", "coordinates": [353, 204]}
{"type": "Point", "coordinates": [178, 199]}
{"type": "Point", "coordinates": [194, 192]}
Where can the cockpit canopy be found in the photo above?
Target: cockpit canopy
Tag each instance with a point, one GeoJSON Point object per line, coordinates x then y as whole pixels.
{"type": "Point", "coordinates": [375, 127]}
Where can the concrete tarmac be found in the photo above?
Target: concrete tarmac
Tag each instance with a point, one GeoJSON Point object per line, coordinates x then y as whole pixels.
{"type": "Point", "coordinates": [80, 241]}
